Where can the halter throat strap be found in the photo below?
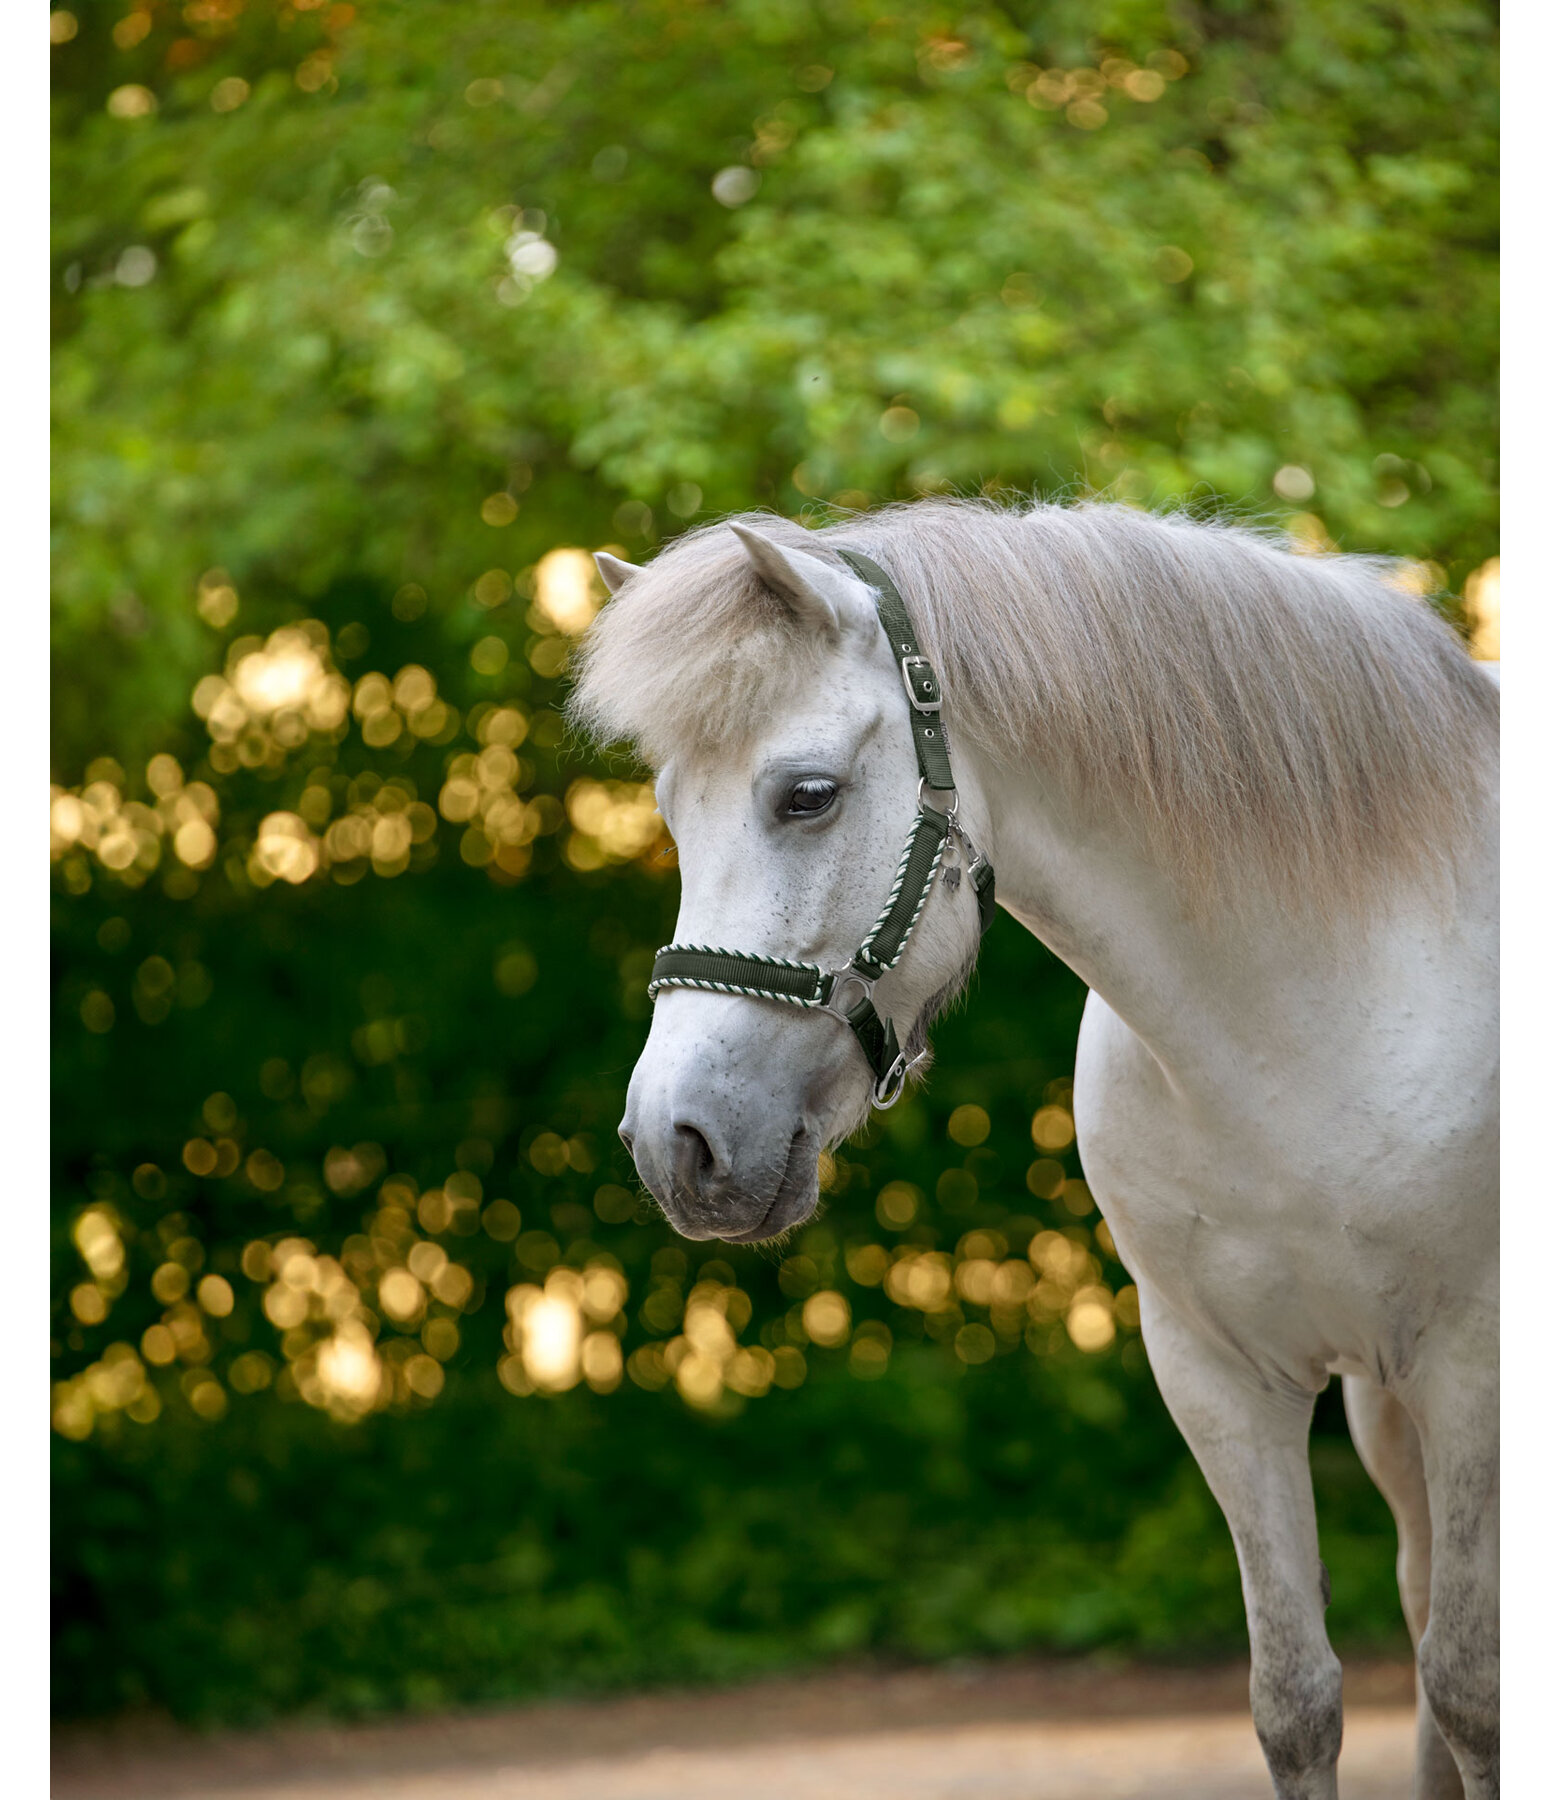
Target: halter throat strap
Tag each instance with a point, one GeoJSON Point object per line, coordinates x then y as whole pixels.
{"type": "Point", "coordinates": [847, 993]}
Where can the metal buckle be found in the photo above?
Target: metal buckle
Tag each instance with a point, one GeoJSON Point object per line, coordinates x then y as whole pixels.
{"type": "Point", "coordinates": [907, 666]}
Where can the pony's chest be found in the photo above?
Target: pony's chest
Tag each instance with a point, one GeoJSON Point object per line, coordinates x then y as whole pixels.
{"type": "Point", "coordinates": [1274, 1222]}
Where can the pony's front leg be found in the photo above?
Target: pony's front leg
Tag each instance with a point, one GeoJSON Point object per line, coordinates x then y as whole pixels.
{"type": "Point", "coordinates": [1453, 1398]}
{"type": "Point", "coordinates": [1389, 1445]}
{"type": "Point", "coordinates": [1251, 1441]}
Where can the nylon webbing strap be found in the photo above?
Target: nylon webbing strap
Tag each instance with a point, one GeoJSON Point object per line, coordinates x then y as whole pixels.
{"type": "Point", "coordinates": [805, 984]}
{"type": "Point", "coordinates": [887, 938]}
{"type": "Point", "coordinates": [728, 972]}
{"type": "Point", "coordinates": [920, 679]}
{"type": "Point", "coordinates": [984, 879]}
{"type": "Point", "coordinates": [878, 1043]}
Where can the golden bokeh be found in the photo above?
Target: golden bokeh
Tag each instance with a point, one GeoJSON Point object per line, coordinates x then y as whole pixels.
{"type": "Point", "coordinates": [614, 821]}
{"type": "Point", "coordinates": [115, 1383]}
{"type": "Point", "coordinates": [1483, 608]}
{"type": "Point", "coordinates": [1053, 1129]}
{"type": "Point", "coordinates": [127, 837]}
{"type": "Point", "coordinates": [968, 1125]}
{"type": "Point", "coordinates": [97, 1237]}
{"type": "Point", "coordinates": [897, 1204]}
{"type": "Point", "coordinates": [826, 1318]}
{"type": "Point", "coordinates": [567, 591]}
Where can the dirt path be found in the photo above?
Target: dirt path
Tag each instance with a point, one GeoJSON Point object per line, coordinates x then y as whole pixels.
{"type": "Point", "coordinates": [1019, 1731]}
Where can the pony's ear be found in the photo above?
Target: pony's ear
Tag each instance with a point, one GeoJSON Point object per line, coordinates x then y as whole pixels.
{"type": "Point", "coordinates": [827, 599]}
{"type": "Point", "coordinates": [613, 572]}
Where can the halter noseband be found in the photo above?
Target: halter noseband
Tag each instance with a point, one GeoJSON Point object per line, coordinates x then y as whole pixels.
{"type": "Point", "coordinates": [832, 990]}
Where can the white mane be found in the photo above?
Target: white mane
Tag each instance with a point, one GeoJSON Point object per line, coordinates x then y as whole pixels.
{"type": "Point", "coordinates": [1245, 709]}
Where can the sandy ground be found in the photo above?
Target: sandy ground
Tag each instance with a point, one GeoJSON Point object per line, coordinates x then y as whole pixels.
{"type": "Point", "coordinates": [1018, 1731]}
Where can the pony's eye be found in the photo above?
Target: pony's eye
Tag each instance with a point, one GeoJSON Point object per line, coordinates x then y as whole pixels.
{"type": "Point", "coordinates": [811, 796]}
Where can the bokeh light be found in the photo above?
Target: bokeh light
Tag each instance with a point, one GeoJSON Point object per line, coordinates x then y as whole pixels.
{"type": "Point", "coordinates": [1483, 607]}
{"type": "Point", "coordinates": [567, 590]}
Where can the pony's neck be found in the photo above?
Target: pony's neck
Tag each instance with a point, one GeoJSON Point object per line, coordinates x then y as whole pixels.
{"type": "Point", "coordinates": [1198, 989]}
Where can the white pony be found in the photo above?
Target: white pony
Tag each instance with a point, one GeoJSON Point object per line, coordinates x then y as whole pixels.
{"type": "Point", "coordinates": [1249, 797]}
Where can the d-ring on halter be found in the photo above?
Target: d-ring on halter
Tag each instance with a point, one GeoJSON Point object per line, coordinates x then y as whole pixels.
{"type": "Point", "coordinates": [805, 984]}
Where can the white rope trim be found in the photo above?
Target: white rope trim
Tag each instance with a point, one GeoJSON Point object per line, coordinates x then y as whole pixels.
{"type": "Point", "coordinates": [893, 894]}
{"type": "Point", "coordinates": [742, 956]}
{"type": "Point", "coordinates": [722, 987]}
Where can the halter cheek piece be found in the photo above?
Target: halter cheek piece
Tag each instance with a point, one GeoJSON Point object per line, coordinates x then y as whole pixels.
{"type": "Point", "coordinates": [847, 993]}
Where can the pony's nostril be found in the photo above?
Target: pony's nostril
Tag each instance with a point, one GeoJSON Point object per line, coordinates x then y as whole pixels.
{"type": "Point", "coordinates": [694, 1161]}
{"type": "Point", "coordinates": [693, 1147]}
{"type": "Point", "coordinates": [627, 1138]}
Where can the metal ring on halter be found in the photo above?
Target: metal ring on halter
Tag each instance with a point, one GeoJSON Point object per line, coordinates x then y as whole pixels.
{"type": "Point", "coordinates": [890, 1085]}
{"type": "Point", "coordinates": [920, 799]}
{"type": "Point", "coordinates": [841, 977]}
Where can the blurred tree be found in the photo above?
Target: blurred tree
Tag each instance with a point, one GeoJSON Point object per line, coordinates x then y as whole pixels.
{"type": "Point", "coordinates": [368, 317]}
{"type": "Point", "coordinates": [329, 277]}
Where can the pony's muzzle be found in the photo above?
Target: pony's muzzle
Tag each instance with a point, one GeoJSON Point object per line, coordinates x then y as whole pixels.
{"type": "Point", "coordinates": [706, 1195]}
{"type": "Point", "coordinates": [728, 1107]}
{"type": "Point", "coordinates": [686, 1163]}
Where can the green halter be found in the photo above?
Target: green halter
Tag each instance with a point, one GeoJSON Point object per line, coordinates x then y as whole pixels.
{"type": "Point", "coordinates": [805, 984]}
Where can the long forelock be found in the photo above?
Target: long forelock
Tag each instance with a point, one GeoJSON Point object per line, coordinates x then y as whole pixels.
{"type": "Point", "coordinates": [696, 654]}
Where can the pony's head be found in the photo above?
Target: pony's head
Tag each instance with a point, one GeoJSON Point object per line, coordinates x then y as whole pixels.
{"type": "Point", "coordinates": [756, 677]}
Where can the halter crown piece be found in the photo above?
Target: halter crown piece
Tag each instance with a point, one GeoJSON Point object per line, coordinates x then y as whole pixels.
{"type": "Point", "coordinates": [847, 993]}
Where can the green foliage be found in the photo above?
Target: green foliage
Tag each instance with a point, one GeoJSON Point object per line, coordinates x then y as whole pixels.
{"type": "Point", "coordinates": [1283, 259]}
{"type": "Point", "coordinates": [483, 1551]}
{"type": "Point", "coordinates": [359, 305]}
{"type": "Point", "coordinates": [484, 1546]}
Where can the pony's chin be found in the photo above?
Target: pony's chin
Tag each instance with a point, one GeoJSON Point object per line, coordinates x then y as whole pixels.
{"type": "Point", "coordinates": [782, 1216]}
{"type": "Point", "coordinates": [764, 1220]}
